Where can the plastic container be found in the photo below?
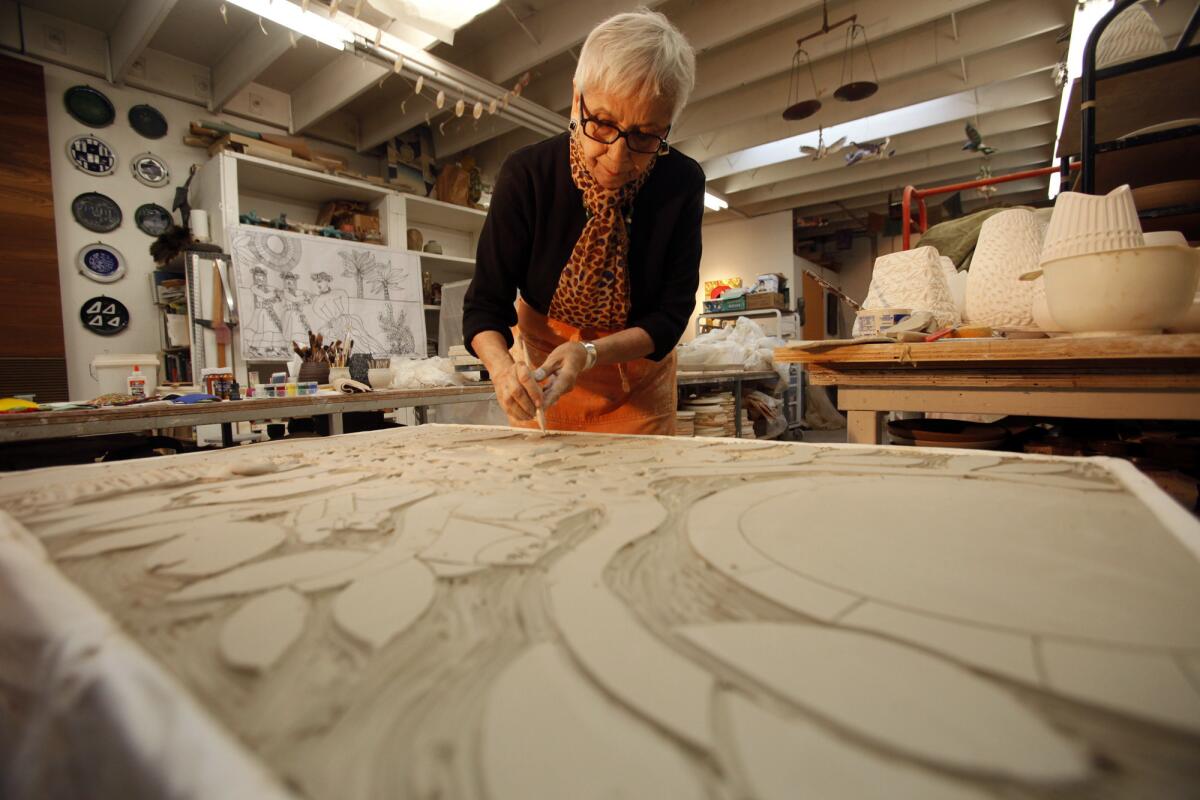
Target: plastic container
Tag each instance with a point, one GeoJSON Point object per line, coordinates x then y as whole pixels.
{"type": "Point", "coordinates": [136, 382]}
{"type": "Point", "coordinates": [112, 371]}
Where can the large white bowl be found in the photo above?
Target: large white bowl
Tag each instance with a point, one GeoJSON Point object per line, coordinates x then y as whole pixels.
{"type": "Point", "coordinates": [1136, 291]}
{"type": "Point", "coordinates": [1190, 322]}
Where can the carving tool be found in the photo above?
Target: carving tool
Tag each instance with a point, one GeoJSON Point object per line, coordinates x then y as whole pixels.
{"type": "Point", "coordinates": [541, 412]}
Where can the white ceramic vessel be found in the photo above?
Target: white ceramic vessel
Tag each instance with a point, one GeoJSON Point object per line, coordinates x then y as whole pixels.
{"type": "Point", "coordinates": [1010, 245]}
{"type": "Point", "coordinates": [912, 279]}
{"type": "Point", "coordinates": [1137, 291]}
{"type": "Point", "coordinates": [1084, 223]}
{"type": "Point", "coordinates": [380, 377]}
{"type": "Point", "coordinates": [1132, 35]}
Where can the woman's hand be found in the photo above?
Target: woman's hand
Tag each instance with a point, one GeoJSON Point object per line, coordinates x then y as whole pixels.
{"type": "Point", "coordinates": [564, 364]}
{"type": "Point", "coordinates": [516, 391]}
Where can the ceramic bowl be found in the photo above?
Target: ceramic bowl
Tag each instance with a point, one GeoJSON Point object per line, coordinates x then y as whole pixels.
{"type": "Point", "coordinates": [1041, 309]}
{"type": "Point", "coordinates": [1084, 223]}
{"type": "Point", "coordinates": [1161, 238]}
{"type": "Point", "coordinates": [1191, 319]}
{"type": "Point", "coordinates": [380, 377]}
{"type": "Point", "coordinates": [1137, 291]}
{"type": "Point", "coordinates": [339, 373]}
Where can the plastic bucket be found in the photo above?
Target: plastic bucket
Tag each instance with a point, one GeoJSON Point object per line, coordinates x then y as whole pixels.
{"type": "Point", "coordinates": [112, 371]}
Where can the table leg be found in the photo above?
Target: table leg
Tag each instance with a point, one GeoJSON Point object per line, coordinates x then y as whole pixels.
{"type": "Point", "coordinates": [422, 414]}
{"type": "Point", "coordinates": [737, 408]}
{"type": "Point", "coordinates": [864, 427]}
{"type": "Point", "coordinates": [335, 425]}
{"type": "Point", "coordinates": [226, 434]}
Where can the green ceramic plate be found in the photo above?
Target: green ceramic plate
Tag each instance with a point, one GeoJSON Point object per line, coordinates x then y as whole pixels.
{"type": "Point", "coordinates": [89, 106]}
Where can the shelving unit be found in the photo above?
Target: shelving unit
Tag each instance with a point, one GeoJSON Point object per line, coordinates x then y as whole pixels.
{"type": "Point", "coordinates": [787, 323]}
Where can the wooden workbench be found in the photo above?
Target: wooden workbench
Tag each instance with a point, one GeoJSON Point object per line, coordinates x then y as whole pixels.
{"type": "Point", "coordinates": [152, 416]}
{"type": "Point", "coordinates": [1145, 377]}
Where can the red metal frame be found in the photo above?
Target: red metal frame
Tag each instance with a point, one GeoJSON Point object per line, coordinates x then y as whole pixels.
{"type": "Point", "coordinates": [912, 193]}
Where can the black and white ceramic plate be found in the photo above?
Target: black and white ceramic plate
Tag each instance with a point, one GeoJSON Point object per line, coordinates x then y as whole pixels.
{"type": "Point", "coordinates": [148, 121]}
{"type": "Point", "coordinates": [104, 315]}
{"type": "Point", "coordinates": [100, 262]}
{"type": "Point", "coordinates": [89, 106]}
{"type": "Point", "coordinates": [150, 170]}
{"type": "Point", "coordinates": [92, 155]}
{"type": "Point", "coordinates": [96, 212]}
{"type": "Point", "coordinates": [152, 219]}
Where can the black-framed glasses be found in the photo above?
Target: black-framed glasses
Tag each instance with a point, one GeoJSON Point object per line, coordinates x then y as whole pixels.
{"type": "Point", "coordinates": [607, 133]}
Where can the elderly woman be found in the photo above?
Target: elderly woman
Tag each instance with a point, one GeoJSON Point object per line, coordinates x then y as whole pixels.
{"type": "Point", "coordinates": [599, 230]}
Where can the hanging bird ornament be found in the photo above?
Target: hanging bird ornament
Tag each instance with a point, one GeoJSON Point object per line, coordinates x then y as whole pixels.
{"type": "Point", "coordinates": [975, 142]}
{"type": "Point", "coordinates": [870, 151]}
{"type": "Point", "coordinates": [985, 172]}
{"type": "Point", "coordinates": [822, 150]}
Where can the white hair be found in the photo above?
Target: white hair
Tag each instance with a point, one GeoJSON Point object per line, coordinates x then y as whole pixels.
{"type": "Point", "coordinates": [638, 53]}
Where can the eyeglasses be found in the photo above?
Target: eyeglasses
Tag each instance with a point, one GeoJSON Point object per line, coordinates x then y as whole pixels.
{"type": "Point", "coordinates": [607, 133]}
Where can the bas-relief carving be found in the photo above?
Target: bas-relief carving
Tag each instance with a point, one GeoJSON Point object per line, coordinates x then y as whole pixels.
{"type": "Point", "coordinates": [483, 612]}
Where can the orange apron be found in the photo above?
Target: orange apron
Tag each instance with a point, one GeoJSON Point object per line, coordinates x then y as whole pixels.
{"type": "Point", "coordinates": [635, 397]}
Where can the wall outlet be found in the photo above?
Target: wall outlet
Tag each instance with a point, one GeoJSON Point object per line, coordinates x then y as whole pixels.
{"type": "Point", "coordinates": [202, 86]}
{"type": "Point", "coordinates": [54, 38]}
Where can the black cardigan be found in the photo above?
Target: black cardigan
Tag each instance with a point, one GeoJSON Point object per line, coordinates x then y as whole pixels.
{"type": "Point", "coordinates": [536, 217]}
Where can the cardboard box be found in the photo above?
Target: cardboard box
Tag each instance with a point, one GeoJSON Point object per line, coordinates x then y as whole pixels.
{"type": "Point", "coordinates": [759, 300]}
{"type": "Point", "coordinates": [721, 306]}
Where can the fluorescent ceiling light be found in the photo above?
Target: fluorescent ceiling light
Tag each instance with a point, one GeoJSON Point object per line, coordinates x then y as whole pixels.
{"type": "Point", "coordinates": [711, 201]}
{"type": "Point", "coordinates": [1086, 17]}
{"type": "Point", "coordinates": [306, 23]}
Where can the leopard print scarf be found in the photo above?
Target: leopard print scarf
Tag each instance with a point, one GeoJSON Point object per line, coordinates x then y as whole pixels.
{"type": "Point", "coordinates": [593, 289]}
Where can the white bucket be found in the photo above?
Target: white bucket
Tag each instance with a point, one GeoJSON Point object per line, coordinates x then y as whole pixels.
{"type": "Point", "coordinates": [112, 371]}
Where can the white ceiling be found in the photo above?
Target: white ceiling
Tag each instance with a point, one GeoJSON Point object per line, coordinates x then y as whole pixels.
{"type": "Point", "coordinates": [946, 61]}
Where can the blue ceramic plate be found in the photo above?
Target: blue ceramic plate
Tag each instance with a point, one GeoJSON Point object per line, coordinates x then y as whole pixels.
{"type": "Point", "coordinates": [92, 155]}
{"type": "Point", "coordinates": [101, 263]}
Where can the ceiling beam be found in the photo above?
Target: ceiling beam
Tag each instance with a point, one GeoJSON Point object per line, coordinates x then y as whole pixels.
{"type": "Point", "coordinates": [982, 29]}
{"type": "Point", "coordinates": [769, 53]}
{"type": "Point", "coordinates": [139, 21]}
{"type": "Point", "coordinates": [707, 25]}
{"type": "Point", "coordinates": [246, 60]}
{"type": "Point", "coordinates": [935, 176]}
{"type": "Point", "coordinates": [333, 87]}
{"type": "Point", "coordinates": [991, 124]}
{"type": "Point", "coordinates": [992, 79]}
{"type": "Point", "coordinates": [556, 29]}
{"type": "Point", "coordinates": [904, 163]}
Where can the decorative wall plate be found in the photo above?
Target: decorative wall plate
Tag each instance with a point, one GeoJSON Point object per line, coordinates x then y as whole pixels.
{"type": "Point", "coordinates": [92, 155]}
{"type": "Point", "coordinates": [148, 121]}
{"type": "Point", "coordinates": [96, 212]}
{"type": "Point", "coordinates": [152, 219]}
{"type": "Point", "coordinates": [89, 106]}
{"type": "Point", "coordinates": [104, 315]}
{"type": "Point", "coordinates": [150, 170]}
{"type": "Point", "coordinates": [101, 263]}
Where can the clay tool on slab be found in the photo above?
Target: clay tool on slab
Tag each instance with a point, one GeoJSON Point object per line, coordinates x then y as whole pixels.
{"type": "Point", "coordinates": [541, 412]}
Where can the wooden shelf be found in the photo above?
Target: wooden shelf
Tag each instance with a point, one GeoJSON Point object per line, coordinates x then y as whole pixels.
{"type": "Point", "coordinates": [424, 211]}
{"type": "Point", "coordinates": [261, 176]}
{"type": "Point", "coordinates": [428, 307]}
{"type": "Point", "coordinates": [453, 264]}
